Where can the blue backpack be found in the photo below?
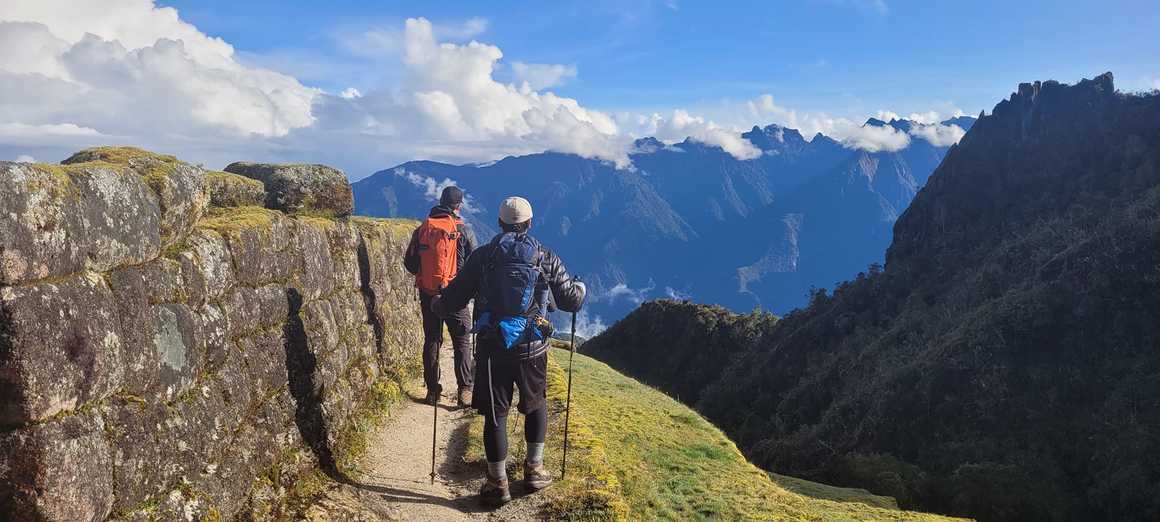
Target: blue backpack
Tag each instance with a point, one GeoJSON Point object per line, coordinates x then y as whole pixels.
{"type": "Point", "coordinates": [508, 289]}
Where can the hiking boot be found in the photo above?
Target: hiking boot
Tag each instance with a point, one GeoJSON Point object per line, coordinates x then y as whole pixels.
{"type": "Point", "coordinates": [495, 492]}
{"type": "Point", "coordinates": [464, 397]}
{"type": "Point", "coordinates": [432, 397]}
{"type": "Point", "coordinates": [536, 476]}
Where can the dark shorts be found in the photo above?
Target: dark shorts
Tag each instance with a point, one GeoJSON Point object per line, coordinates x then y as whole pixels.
{"type": "Point", "coordinates": [498, 373]}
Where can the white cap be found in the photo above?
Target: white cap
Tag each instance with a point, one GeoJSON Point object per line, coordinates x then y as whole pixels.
{"type": "Point", "coordinates": [515, 210]}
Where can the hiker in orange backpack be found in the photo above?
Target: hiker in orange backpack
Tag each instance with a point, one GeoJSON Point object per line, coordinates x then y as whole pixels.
{"type": "Point", "coordinates": [438, 248]}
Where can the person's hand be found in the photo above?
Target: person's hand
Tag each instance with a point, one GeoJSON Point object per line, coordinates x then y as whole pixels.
{"type": "Point", "coordinates": [437, 305]}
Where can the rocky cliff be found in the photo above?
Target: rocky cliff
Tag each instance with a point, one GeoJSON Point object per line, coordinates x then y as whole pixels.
{"type": "Point", "coordinates": [172, 349]}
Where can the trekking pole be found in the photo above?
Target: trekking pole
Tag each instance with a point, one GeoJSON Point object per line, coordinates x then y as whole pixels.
{"type": "Point", "coordinates": [435, 422]}
{"type": "Point", "coordinates": [568, 405]}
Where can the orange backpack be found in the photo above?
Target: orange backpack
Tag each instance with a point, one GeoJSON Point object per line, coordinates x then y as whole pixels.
{"type": "Point", "coordinates": [438, 253]}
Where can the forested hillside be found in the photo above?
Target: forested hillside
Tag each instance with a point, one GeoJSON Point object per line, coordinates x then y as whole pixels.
{"type": "Point", "coordinates": [1004, 365]}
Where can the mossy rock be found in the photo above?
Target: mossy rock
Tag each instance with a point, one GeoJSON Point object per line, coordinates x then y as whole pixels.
{"type": "Point", "coordinates": [231, 190]}
{"type": "Point", "coordinates": [301, 188]}
{"type": "Point", "coordinates": [179, 187]}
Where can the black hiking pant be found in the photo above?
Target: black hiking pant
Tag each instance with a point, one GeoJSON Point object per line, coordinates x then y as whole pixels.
{"type": "Point", "coordinates": [501, 373]}
{"type": "Point", "coordinates": [459, 325]}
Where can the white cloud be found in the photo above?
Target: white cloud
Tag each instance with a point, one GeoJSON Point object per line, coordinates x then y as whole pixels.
{"type": "Point", "coordinates": [389, 40]}
{"type": "Point", "coordinates": [24, 158]}
{"type": "Point", "coordinates": [125, 67]}
{"type": "Point", "coordinates": [925, 118]}
{"type": "Point", "coordinates": [23, 134]}
{"type": "Point", "coordinates": [682, 124]}
{"type": "Point", "coordinates": [887, 116]}
{"type": "Point", "coordinates": [586, 326]}
{"type": "Point", "coordinates": [1156, 84]}
{"type": "Point", "coordinates": [433, 189]}
{"type": "Point", "coordinates": [675, 294]}
{"type": "Point", "coordinates": [451, 96]}
{"type": "Point", "coordinates": [851, 134]}
{"type": "Point", "coordinates": [541, 75]}
{"type": "Point", "coordinates": [350, 93]}
{"type": "Point", "coordinates": [619, 291]}
{"type": "Point", "coordinates": [938, 134]}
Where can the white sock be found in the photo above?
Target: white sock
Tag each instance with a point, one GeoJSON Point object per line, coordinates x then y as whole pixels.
{"type": "Point", "coordinates": [535, 453]}
{"type": "Point", "coordinates": [497, 470]}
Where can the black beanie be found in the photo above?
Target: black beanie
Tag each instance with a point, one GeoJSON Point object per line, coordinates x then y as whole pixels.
{"type": "Point", "coordinates": [451, 196]}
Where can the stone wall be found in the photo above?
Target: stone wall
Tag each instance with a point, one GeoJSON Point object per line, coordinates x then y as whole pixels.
{"type": "Point", "coordinates": [166, 356]}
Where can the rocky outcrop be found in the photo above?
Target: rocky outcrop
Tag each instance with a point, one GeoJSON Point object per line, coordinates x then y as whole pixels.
{"type": "Point", "coordinates": [293, 188]}
{"type": "Point", "coordinates": [163, 357]}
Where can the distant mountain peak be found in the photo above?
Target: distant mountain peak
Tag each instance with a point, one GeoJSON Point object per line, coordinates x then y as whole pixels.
{"type": "Point", "coordinates": [647, 145]}
{"type": "Point", "coordinates": [774, 137]}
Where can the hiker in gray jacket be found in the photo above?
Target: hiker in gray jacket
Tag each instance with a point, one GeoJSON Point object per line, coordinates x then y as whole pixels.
{"type": "Point", "coordinates": [513, 280]}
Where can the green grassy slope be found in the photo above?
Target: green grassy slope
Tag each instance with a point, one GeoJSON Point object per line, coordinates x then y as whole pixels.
{"type": "Point", "coordinates": [635, 453]}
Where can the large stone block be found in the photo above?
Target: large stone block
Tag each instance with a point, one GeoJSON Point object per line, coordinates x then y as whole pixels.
{"type": "Point", "coordinates": [312, 256]}
{"type": "Point", "coordinates": [264, 355]}
{"type": "Point", "coordinates": [273, 305]}
{"type": "Point", "coordinates": [215, 340]}
{"type": "Point", "coordinates": [137, 452]}
{"type": "Point", "coordinates": [60, 470]}
{"type": "Point", "coordinates": [293, 188]}
{"type": "Point", "coordinates": [177, 187]}
{"type": "Point", "coordinates": [136, 289]}
{"type": "Point", "coordinates": [59, 220]}
{"type": "Point", "coordinates": [321, 331]}
{"type": "Point", "coordinates": [207, 267]}
{"type": "Point", "coordinates": [179, 344]}
{"type": "Point", "coordinates": [60, 347]}
{"type": "Point", "coordinates": [253, 309]}
{"type": "Point", "coordinates": [344, 254]}
{"type": "Point", "coordinates": [231, 190]}
{"type": "Point", "coordinates": [261, 253]}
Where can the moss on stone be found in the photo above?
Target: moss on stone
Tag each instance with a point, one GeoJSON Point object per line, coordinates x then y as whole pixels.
{"type": "Point", "coordinates": [154, 168]}
{"type": "Point", "coordinates": [392, 227]}
{"type": "Point", "coordinates": [230, 222]}
{"type": "Point", "coordinates": [116, 155]}
{"type": "Point", "coordinates": [217, 176]}
{"type": "Point", "coordinates": [231, 190]}
{"type": "Point", "coordinates": [320, 220]}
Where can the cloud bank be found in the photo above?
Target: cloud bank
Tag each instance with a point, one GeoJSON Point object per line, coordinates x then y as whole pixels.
{"type": "Point", "coordinates": [127, 68]}
{"type": "Point", "coordinates": [77, 74]}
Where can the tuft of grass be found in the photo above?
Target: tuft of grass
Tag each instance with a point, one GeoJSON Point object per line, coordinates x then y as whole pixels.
{"type": "Point", "coordinates": [634, 446]}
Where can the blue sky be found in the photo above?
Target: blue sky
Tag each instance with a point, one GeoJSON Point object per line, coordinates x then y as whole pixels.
{"type": "Point", "coordinates": [848, 58]}
{"type": "Point", "coordinates": [367, 85]}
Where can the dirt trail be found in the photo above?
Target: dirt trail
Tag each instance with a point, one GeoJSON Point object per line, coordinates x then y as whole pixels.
{"type": "Point", "coordinates": [393, 481]}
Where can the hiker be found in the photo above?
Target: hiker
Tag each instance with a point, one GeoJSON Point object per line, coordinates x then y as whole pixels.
{"type": "Point", "coordinates": [438, 250]}
{"type": "Point", "coordinates": [511, 278]}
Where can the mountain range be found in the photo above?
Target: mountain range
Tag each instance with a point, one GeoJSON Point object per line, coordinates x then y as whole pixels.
{"type": "Point", "coordinates": [689, 220]}
{"type": "Point", "coordinates": [1003, 365]}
